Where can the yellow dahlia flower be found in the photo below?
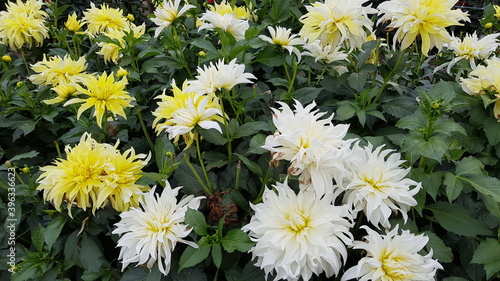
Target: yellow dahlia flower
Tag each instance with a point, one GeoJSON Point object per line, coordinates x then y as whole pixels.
{"type": "Point", "coordinates": [119, 176]}
{"type": "Point", "coordinates": [336, 22]}
{"type": "Point", "coordinates": [103, 94]}
{"type": "Point", "coordinates": [31, 7]}
{"type": "Point", "coordinates": [427, 19]}
{"type": "Point", "coordinates": [57, 70]}
{"type": "Point", "coordinates": [104, 19]}
{"type": "Point", "coordinates": [63, 91]}
{"type": "Point", "coordinates": [497, 11]}
{"type": "Point", "coordinates": [184, 110]}
{"type": "Point", "coordinates": [485, 80]}
{"type": "Point", "coordinates": [112, 51]}
{"type": "Point", "coordinates": [72, 23]}
{"type": "Point", "coordinates": [93, 174]}
{"type": "Point", "coordinates": [76, 178]}
{"type": "Point", "coordinates": [224, 8]}
{"type": "Point", "coordinates": [23, 23]}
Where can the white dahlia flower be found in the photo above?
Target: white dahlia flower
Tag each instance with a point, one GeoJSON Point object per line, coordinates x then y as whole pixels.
{"type": "Point", "coordinates": [393, 257]}
{"type": "Point", "coordinates": [149, 234]}
{"type": "Point", "coordinates": [299, 235]}
{"type": "Point", "coordinates": [167, 12]}
{"type": "Point", "coordinates": [327, 53]}
{"type": "Point", "coordinates": [378, 185]}
{"type": "Point", "coordinates": [314, 146]}
{"type": "Point", "coordinates": [283, 37]}
{"type": "Point", "coordinates": [227, 22]}
{"type": "Point", "coordinates": [219, 76]}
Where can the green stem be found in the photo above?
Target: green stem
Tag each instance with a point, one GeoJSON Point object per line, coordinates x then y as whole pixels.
{"type": "Point", "coordinates": [150, 142]}
{"type": "Point", "coordinates": [59, 154]}
{"type": "Point", "coordinates": [25, 62]}
{"type": "Point", "coordinates": [388, 78]}
{"type": "Point", "coordinates": [184, 61]}
{"type": "Point", "coordinates": [238, 172]}
{"type": "Point", "coordinates": [321, 76]}
{"type": "Point", "coordinates": [198, 152]}
{"type": "Point", "coordinates": [292, 81]}
{"type": "Point", "coordinates": [228, 137]}
{"type": "Point", "coordinates": [198, 178]}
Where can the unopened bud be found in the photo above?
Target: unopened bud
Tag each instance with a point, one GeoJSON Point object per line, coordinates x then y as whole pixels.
{"type": "Point", "coordinates": [488, 25]}
{"type": "Point", "coordinates": [6, 58]}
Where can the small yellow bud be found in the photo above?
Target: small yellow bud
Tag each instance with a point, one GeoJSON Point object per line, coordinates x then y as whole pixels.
{"type": "Point", "coordinates": [73, 24]}
{"type": "Point", "coordinates": [19, 84]}
{"type": "Point", "coordinates": [202, 54]}
{"type": "Point", "coordinates": [25, 169]}
{"type": "Point", "coordinates": [488, 25]}
{"type": "Point", "coordinates": [435, 105]}
{"type": "Point", "coordinates": [130, 17]}
{"type": "Point", "coordinates": [122, 72]}
{"type": "Point", "coordinates": [6, 58]}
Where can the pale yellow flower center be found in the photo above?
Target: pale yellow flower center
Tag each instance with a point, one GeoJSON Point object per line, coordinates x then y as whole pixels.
{"type": "Point", "coordinates": [394, 268]}
{"type": "Point", "coordinates": [375, 183]}
{"type": "Point", "coordinates": [297, 221]}
{"type": "Point", "coordinates": [158, 226]}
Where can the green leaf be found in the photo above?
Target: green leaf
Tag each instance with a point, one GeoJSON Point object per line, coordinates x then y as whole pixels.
{"type": "Point", "coordinates": [440, 251]}
{"type": "Point", "coordinates": [470, 165]}
{"type": "Point", "coordinates": [236, 239]}
{"type": "Point", "coordinates": [486, 185]}
{"type": "Point", "coordinates": [217, 254]}
{"type": "Point", "coordinates": [252, 166]}
{"type": "Point", "coordinates": [30, 154]}
{"type": "Point", "coordinates": [90, 257]}
{"type": "Point", "coordinates": [251, 128]}
{"type": "Point", "coordinates": [197, 221]}
{"type": "Point", "coordinates": [213, 136]}
{"type": "Point", "coordinates": [346, 110]}
{"type": "Point", "coordinates": [53, 230]}
{"type": "Point", "coordinates": [454, 186]}
{"type": "Point", "coordinates": [492, 130]}
{"type": "Point", "coordinates": [492, 205]}
{"type": "Point", "coordinates": [414, 121]}
{"type": "Point", "coordinates": [458, 220]}
{"type": "Point", "coordinates": [256, 143]}
{"type": "Point", "coordinates": [37, 238]}
{"type": "Point", "coordinates": [193, 256]}
{"type": "Point", "coordinates": [205, 45]}
{"type": "Point", "coordinates": [488, 254]}
{"type": "Point", "coordinates": [71, 246]}
{"type": "Point", "coordinates": [163, 151]}
{"type": "Point", "coordinates": [186, 178]}
{"type": "Point", "coordinates": [448, 127]}
{"type": "Point", "coordinates": [434, 148]}
{"type": "Point", "coordinates": [357, 81]}
{"type": "Point", "coordinates": [306, 94]}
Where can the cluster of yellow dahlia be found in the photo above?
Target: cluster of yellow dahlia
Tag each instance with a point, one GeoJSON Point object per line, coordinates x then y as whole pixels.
{"type": "Point", "coordinates": [23, 23]}
{"type": "Point", "coordinates": [94, 175]}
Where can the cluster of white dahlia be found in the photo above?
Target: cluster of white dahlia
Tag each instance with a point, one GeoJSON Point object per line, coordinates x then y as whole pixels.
{"type": "Point", "coordinates": [305, 233]}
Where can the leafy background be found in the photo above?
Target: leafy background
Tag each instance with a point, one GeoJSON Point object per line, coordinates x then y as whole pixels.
{"type": "Point", "coordinates": [451, 141]}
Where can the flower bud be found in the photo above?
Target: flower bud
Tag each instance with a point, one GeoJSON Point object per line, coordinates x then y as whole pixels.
{"type": "Point", "coordinates": [130, 17]}
{"type": "Point", "coordinates": [122, 72]}
{"type": "Point", "coordinates": [488, 25]}
{"type": "Point", "coordinates": [202, 54]}
{"type": "Point", "coordinates": [6, 58]}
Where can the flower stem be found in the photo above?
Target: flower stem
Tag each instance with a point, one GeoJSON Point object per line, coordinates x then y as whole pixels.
{"type": "Point", "coordinates": [198, 152]}
{"type": "Point", "coordinates": [59, 154]}
{"type": "Point", "coordinates": [150, 142]}
{"type": "Point", "coordinates": [25, 62]}
{"type": "Point", "coordinates": [205, 188]}
{"type": "Point", "coordinates": [184, 61]}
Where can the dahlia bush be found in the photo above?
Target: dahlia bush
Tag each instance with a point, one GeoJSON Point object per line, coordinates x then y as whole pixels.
{"type": "Point", "coordinates": [249, 140]}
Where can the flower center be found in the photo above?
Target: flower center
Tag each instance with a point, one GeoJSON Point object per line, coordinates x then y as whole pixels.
{"type": "Point", "coordinates": [375, 183]}
{"type": "Point", "coordinates": [297, 221]}
{"type": "Point", "coordinates": [158, 226]}
{"type": "Point", "coordinates": [393, 267]}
